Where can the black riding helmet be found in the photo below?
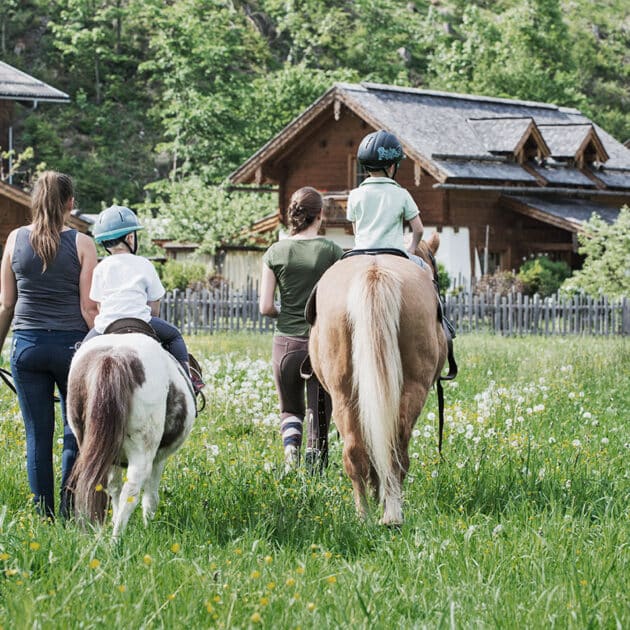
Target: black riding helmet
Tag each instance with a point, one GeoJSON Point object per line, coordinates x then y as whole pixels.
{"type": "Point", "coordinates": [379, 150]}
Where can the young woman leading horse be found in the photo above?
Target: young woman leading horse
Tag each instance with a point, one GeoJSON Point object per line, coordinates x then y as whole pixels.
{"type": "Point", "coordinates": [377, 346]}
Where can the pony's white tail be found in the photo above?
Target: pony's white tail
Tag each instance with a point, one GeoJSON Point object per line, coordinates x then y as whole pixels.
{"type": "Point", "coordinates": [373, 306]}
{"type": "Point", "coordinates": [100, 388]}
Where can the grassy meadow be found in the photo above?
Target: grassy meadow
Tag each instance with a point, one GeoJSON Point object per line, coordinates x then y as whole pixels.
{"type": "Point", "coordinates": [525, 524]}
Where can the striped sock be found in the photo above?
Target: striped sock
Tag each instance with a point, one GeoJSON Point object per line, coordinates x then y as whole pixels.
{"type": "Point", "coordinates": [291, 430]}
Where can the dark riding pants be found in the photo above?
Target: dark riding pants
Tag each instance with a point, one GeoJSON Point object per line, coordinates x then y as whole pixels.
{"type": "Point", "coordinates": [40, 359]}
{"type": "Point", "coordinates": [288, 353]}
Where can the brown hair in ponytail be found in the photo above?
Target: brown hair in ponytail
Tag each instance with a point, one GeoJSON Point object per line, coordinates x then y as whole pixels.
{"type": "Point", "coordinates": [49, 205]}
{"type": "Point", "coordinates": [304, 207]}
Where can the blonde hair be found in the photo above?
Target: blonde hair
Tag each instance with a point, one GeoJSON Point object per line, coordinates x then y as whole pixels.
{"type": "Point", "coordinates": [304, 207]}
{"type": "Point", "coordinates": [49, 207]}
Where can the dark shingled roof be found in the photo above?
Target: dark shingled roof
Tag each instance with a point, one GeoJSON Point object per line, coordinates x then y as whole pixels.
{"type": "Point", "coordinates": [16, 85]}
{"type": "Point", "coordinates": [462, 136]}
{"type": "Point", "coordinates": [501, 135]}
{"type": "Point", "coordinates": [574, 211]}
{"type": "Point", "coordinates": [565, 176]}
{"type": "Point", "coordinates": [564, 140]}
{"type": "Point", "coordinates": [613, 179]}
{"type": "Point", "coordinates": [463, 169]}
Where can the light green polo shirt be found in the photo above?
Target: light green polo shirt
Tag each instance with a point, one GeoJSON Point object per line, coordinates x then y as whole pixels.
{"type": "Point", "coordinates": [378, 208]}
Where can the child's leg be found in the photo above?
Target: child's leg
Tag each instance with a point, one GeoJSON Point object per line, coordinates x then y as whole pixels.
{"type": "Point", "coordinates": [171, 339]}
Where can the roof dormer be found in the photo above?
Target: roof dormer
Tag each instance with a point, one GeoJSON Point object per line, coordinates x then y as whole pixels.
{"type": "Point", "coordinates": [574, 144]}
{"type": "Point", "coordinates": [516, 138]}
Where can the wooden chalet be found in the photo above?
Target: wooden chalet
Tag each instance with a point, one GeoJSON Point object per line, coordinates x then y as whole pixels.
{"type": "Point", "coordinates": [19, 88]}
{"type": "Point", "coordinates": [500, 179]}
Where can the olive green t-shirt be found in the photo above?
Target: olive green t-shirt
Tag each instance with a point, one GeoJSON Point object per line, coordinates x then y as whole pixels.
{"type": "Point", "coordinates": [298, 264]}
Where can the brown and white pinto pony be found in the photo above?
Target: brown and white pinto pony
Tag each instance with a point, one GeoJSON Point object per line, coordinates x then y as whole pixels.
{"type": "Point", "coordinates": [377, 347]}
{"type": "Point", "coordinates": [130, 406]}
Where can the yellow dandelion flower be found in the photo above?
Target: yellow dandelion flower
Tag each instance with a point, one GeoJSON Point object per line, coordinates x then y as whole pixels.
{"type": "Point", "coordinates": [4, 556]}
{"type": "Point", "coordinates": [256, 618]}
{"type": "Point", "coordinates": [95, 563]}
{"type": "Point", "coordinates": [131, 499]}
{"type": "Point", "coordinates": [331, 579]}
{"type": "Point", "coordinates": [264, 601]}
{"type": "Point", "coordinates": [255, 574]}
{"type": "Point", "coordinates": [327, 555]}
{"type": "Point", "coordinates": [268, 559]}
{"type": "Point", "coordinates": [171, 597]}
{"type": "Point", "coordinates": [296, 596]}
{"type": "Point", "coordinates": [583, 582]}
{"type": "Point", "coordinates": [175, 547]}
{"type": "Point", "coordinates": [122, 588]}
{"type": "Point", "coordinates": [98, 487]}
{"type": "Point", "coordinates": [238, 551]}
{"type": "Point", "coordinates": [34, 545]}
{"type": "Point", "coordinates": [300, 570]}
{"type": "Point", "coordinates": [147, 559]}
{"type": "Point", "coordinates": [271, 586]}
{"type": "Point", "coordinates": [311, 607]}
{"type": "Point", "coordinates": [209, 607]}
{"type": "Point", "coordinates": [290, 582]}
{"type": "Point", "coordinates": [217, 599]}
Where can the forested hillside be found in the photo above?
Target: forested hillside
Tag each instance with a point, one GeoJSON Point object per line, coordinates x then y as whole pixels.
{"type": "Point", "coordinates": [169, 96]}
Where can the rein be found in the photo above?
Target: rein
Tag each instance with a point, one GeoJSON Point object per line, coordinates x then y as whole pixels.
{"type": "Point", "coordinates": [452, 365]}
{"type": "Point", "coordinates": [7, 377]}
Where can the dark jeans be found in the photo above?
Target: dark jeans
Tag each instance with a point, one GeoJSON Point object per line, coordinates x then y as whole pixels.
{"type": "Point", "coordinates": [40, 359]}
{"type": "Point", "coordinates": [169, 335]}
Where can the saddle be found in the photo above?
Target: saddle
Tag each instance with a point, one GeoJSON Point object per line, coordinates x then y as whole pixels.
{"type": "Point", "coordinates": [127, 325]}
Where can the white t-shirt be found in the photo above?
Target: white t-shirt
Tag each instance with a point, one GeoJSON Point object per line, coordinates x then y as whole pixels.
{"type": "Point", "coordinates": [123, 284]}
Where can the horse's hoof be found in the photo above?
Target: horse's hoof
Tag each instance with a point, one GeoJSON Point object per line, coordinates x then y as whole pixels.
{"type": "Point", "coordinates": [391, 522]}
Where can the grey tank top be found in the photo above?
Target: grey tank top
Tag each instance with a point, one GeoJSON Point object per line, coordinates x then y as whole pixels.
{"type": "Point", "coordinates": [48, 300]}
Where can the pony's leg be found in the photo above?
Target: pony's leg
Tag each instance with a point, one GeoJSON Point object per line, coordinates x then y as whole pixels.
{"type": "Point", "coordinates": [392, 512]}
{"type": "Point", "coordinates": [151, 498]}
{"type": "Point", "coordinates": [137, 473]}
{"type": "Point", "coordinates": [114, 487]}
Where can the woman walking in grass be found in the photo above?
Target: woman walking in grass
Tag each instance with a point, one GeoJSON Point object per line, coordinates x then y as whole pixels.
{"type": "Point", "coordinates": [294, 265]}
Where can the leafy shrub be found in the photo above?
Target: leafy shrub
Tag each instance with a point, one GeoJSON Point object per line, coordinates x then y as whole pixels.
{"type": "Point", "coordinates": [607, 263]}
{"type": "Point", "coordinates": [182, 275]}
{"type": "Point", "coordinates": [543, 276]}
{"type": "Point", "coordinates": [444, 280]}
{"type": "Point", "coordinates": [500, 282]}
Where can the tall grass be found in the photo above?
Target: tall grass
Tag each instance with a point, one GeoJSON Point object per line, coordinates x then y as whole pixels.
{"type": "Point", "coordinates": [525, 524]}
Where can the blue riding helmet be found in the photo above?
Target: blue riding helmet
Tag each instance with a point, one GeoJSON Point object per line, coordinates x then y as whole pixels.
{"type": "Point", "coordinates": [114, 222]}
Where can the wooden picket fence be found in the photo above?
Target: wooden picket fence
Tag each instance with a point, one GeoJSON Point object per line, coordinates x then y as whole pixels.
{"type": "Point", "coordinates": [222, 310]}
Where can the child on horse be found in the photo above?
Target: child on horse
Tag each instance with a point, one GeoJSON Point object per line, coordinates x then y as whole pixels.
{"type": "Point", "coordinates": [127, 285]}
{"type": "Point", "coordinates": [378, 207]}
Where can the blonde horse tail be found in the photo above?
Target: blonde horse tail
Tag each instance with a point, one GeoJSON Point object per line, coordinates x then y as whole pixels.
{"type": "Point", "coordinates": [100, 390]}
{"type": "Point", "coordinates": [373, 306]}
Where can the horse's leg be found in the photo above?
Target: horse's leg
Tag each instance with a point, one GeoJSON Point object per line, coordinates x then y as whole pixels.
{"type": "Point", "coordinates": [355, 457]}
{"type": "Point", "coordinates": [151, 498]}
{"type": "Point", "coordinates": [138, 470]}
{"type": "Point", "coordinates": [114, 487]}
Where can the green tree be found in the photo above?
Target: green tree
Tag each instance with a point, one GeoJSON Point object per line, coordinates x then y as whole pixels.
{"type": "Point", "coordinates": [205, 214]}
{"type": "Point", "coordinates": [606, 267]}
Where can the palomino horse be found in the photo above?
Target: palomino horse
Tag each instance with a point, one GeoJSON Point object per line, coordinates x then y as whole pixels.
{"type": "Point", "coordinates": [130, 405]}
{"type": "Point", "coordinates": [377, 346]}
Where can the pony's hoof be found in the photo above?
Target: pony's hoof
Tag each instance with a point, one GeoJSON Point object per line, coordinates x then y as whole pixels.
{"type": "Point", "coordinates": [391, 522]}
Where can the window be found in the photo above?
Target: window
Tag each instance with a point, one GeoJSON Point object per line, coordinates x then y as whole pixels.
{"type": "Point", "coordinates": [357, 173]}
